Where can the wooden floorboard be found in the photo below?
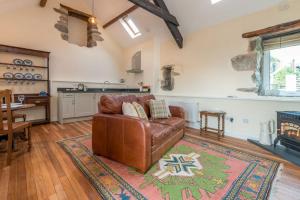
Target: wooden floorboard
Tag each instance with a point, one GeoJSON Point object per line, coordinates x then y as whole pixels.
{"type": "Point", "coordinates": [47, 172]}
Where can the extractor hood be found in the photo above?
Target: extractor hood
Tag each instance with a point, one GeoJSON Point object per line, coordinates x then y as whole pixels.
{"type": "Point", "coordinates": [136, 63]}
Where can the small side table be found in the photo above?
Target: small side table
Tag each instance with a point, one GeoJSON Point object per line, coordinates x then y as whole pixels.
{"type": "Point", "coordinates": [221, 121]}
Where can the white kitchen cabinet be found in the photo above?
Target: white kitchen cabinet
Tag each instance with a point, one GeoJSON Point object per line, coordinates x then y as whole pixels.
{"type": "Point", "coordinates": [85, 104]}
{"type": "Point", "coordinates": [78, 106]}
{"type": "Point", "coordinates": [66, 106]}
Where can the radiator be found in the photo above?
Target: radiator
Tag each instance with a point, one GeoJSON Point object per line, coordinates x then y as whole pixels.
{"type": "Point", "coordinates": [191, 110]}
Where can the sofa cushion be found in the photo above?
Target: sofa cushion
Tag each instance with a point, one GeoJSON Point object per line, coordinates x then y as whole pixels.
{"type": "Point", "coordinates": [159, 109]}
{"type": "Point", "coordinates": [144, 101]}
{"type": "Point", "coordinates": [174, 122]}
{"type": "Point", "coordinates": [159, 133]}
{"type": "Point", "coordinates": [111, 104]}
{"type": "Point", "coordinates": [140, 111]}
{"type": "Point", "coordinates": [129, 110]}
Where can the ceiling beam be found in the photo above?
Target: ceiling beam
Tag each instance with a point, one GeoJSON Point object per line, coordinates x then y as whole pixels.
{"type": "Point", "coordinates": [160, 9]}
{"type": "Point", "coordinates": [145, 4]}
{"type": "Point", "coordinates": [273, 29]}
{"type": "Point", "coordinates": [120, 16]}
{"type": "Point", "coordinates": [43, 3]}
{"type": "Point", "coordinates": [76, 13]}
{"type": "Point", "coordinates": [173, 28]}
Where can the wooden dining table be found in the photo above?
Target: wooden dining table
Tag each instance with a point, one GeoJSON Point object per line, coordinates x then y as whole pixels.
{"type": "Point", "coordinates": [17, 106]}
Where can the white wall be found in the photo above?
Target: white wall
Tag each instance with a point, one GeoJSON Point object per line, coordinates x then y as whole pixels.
{"type": "Point", "coordinates": [26, 24]}
{"type": "Point", "coordinates": [150, 64]}
{"type": "Point", "coordinates": [208, 78]}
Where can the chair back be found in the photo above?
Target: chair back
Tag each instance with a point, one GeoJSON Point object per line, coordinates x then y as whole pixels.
{"type": "Point", "coordinates": [5, 106]}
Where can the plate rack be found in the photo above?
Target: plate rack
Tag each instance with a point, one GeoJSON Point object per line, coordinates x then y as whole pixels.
{"type": "Point", "coordinates": [35, 98]}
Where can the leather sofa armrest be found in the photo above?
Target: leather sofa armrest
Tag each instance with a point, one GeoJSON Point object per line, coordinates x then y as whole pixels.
{"type": "Point", "coordinates": [177, 111]}
{"type": "Point", "coordinates": [123, 139]}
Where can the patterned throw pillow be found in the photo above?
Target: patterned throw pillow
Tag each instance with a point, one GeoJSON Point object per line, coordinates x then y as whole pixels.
{"type": "Point", "coordinates": [129, 110]}
{"type": "Point", "coordinates": [159, 109]}
{"type": "Point", "coordinates": [140, 110]}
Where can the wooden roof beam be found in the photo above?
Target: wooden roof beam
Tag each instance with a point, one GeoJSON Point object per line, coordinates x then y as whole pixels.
{"type": "Point", "coordinates": [120, 16]}
{"type": "Point", "coordinates": [76, 13]}
{"type": "Point", "coordinates": [160, 9]}
{"type": "Point", "coordinates": [173, 28]}
{"type": "Point", "coordinates": [273, 29]}
{"type": "Point", "coordinates": [156, 10]}
{"type": "Point", "coordinates": [43, 3]}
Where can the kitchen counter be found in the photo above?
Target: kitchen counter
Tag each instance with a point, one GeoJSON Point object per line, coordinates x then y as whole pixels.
{"type": "Point", "coordinates": [102, 90]}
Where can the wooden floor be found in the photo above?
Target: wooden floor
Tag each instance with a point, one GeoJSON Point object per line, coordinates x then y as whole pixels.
{"type": "Point", "coordinates": [48, 173]}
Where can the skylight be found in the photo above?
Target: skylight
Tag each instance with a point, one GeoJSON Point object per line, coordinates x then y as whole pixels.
{"type": "Point", "coordinates": [215, 1]}
{"type": "Point", "coordinates": [130, 27]}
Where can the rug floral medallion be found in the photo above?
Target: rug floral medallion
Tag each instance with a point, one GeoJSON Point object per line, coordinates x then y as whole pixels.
{"type": "Point", "coordinates": [192, 169]}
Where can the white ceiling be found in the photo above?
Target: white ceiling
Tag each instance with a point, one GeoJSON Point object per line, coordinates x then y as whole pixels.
{"type": "Point", "coordinates": [191, 14]}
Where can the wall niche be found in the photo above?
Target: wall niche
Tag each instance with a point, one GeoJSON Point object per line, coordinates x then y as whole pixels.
{"type": "Point", "coordinates": [168, 81]}
{"type": "Point", "coordinates": [75, 28]}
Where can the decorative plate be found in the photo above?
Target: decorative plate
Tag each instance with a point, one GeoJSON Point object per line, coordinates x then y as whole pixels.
{"type": "Point", "coordinates": [28, 76]}
{"type": "Point", "coordinates": [28, 62]}
{"type": "Point", "coordinates": [37, 77]}
{"type": "Point", "coordinates": [18, 61]}
{"type": "Point", "coordinates": [18, 76]}
{"type": "Point", "coordinates": [8, 75]}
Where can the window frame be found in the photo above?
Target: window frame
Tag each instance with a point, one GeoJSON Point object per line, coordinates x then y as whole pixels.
{"type": "Point", "coordinates": [267, 77]}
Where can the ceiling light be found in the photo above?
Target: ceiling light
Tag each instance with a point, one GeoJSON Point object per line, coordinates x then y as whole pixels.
{"type": "Point", "coordinates": [130, 27]}
{"type": "Point", "coordinates": [215, 1]}
{"type": "Point", "coordinates": [92, 19]}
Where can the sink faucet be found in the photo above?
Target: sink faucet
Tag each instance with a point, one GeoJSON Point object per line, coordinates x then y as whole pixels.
{"type": "Point", "coordinates": [105, 83]}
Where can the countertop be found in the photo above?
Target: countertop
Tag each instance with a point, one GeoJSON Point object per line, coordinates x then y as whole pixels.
{"type": "Point", "coordinates": [102, 90]}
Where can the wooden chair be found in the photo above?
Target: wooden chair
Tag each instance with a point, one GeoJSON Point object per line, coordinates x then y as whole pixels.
{"type": "Point", "coordinates": [15, 115]}
{"type": "Point", "coordinates": [8, 127]}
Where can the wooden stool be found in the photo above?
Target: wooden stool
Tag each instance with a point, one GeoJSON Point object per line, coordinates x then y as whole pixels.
{"type": "Point", "coordinates": [221, 117]}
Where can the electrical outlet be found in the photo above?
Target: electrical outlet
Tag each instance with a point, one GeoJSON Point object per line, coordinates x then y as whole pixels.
{"type": "Point", "coordinates": [230, 119]}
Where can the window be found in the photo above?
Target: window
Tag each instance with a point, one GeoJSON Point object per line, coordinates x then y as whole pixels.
{"type": "Point", "coordinates": [215, 1]}
{"type": "Point", "coordinates": [282, 65]}
{"type": "Point", "coordinates": [130, 27]}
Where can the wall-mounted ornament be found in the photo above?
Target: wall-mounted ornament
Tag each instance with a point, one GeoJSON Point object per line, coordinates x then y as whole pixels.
{"type": "Point", "coordinates": [168, 73]}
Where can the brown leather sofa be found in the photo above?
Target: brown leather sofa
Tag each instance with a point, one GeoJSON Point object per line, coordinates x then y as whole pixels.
{"type": "Point", "coordinates": [134, 142]}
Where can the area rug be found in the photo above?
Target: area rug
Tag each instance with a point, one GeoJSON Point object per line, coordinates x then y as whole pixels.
{"type": "Point", "coordinates": [192, 169]}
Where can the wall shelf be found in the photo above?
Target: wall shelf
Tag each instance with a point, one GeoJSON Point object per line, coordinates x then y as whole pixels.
{"type": "Point", "coordinates": [39, 101]}
{"type": "Point", "coordinates": [11, 64]}
{"type": "Point", "coordinates": [14, 79]}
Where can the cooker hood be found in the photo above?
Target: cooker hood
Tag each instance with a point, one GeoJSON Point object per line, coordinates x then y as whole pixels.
{"type": "Point", "coordinates": [136, 63]}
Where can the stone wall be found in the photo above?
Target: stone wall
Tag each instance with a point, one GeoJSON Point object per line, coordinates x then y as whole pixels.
{"type": "Point", "coordinates": [93, 34]}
